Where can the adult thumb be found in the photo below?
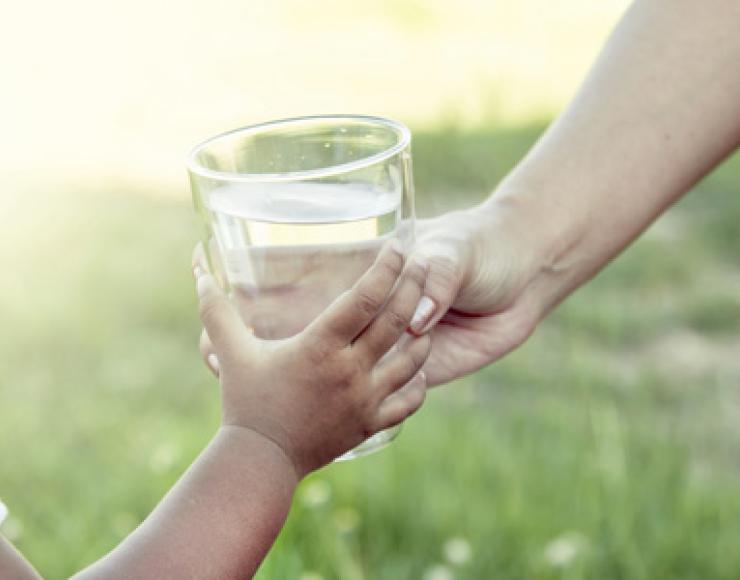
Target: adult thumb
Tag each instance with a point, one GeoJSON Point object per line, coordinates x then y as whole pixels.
{"type": "Point", "coordinates": [442, 286]}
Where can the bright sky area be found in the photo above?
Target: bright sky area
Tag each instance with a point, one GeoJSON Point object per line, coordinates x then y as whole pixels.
{"type": "Point", "coordinates": [121, 90]}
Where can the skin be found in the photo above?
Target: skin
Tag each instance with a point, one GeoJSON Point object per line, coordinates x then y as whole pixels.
{"type": "Point", "coordinates": [289, 407]}
{"type": "Point", "coordinates": [659, 110]}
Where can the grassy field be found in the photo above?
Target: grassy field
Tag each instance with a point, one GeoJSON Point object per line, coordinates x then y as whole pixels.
{"type": "Point", "coordinates": [607, 447]}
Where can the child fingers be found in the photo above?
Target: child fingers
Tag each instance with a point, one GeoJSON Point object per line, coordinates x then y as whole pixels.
{"type": "Point", "coordinates": [401, 365]}
{"type": "Point", "coordinates": [347, 316]}
{"type": "Point", "coordinates": [221, 322]}
{"type": "Point", "coordinates": [404, 402]}
{"type": "Point", "coordinates": [394, 319]}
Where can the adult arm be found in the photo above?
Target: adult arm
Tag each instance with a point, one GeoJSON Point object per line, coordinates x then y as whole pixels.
{"type": "Point", "coordinates": [659, 109]}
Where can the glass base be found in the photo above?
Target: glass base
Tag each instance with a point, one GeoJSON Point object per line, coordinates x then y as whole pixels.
{"type": "Point", "coordinates": [375, 443]}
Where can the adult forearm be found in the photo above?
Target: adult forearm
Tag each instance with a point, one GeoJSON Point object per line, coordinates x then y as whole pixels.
{"type": "Point", "coordinates": [660, 109]}
{"type": "Point", "coordinates": [218, 521]}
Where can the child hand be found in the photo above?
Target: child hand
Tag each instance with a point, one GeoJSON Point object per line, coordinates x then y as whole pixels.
{"type": "Point", "coordinates": [325, 390]}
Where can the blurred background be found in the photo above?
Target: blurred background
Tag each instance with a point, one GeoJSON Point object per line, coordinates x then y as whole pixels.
{"type": "Point", "coordinates": [606, 447]}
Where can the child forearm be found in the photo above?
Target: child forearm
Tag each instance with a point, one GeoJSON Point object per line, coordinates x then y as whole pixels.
{"type": "Point", "coordinates": [218, 521]}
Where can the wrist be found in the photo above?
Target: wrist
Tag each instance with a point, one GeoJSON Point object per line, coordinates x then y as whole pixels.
{"type": "Point", "coordinates": [541, 219]}
{"type": "Point", "coordinates": [535, 236]}
{"type": "Point", "coordinates": [258, 446]}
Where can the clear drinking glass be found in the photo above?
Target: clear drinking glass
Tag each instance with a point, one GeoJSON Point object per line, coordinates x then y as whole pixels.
{"type": "Point", "coordinates": [296, 210]}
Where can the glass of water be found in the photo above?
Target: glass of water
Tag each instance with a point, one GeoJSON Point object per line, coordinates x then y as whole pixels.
{"type": "Point", "coordinates": [296, 210]}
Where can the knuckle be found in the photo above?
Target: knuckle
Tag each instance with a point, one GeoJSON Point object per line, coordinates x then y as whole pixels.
{"type": "Point", "coordinates": [409, 364]}
{"type": "Point", "coordinates": [419, 350]}
{"type": "Point", "coordinates": [367, 302]}
{"type": "Point", "coordinates": [444, 272]}
{"type": "Point", "coordinates": [343, 382]}
{"type": "Point", "coordinates": [423, 346]}
{"type": "Point", "coordinates": [418, 273]}
{"type": "Point", "coordinates": [344, 375]}
{"type": "Point", "coordinates": [318, 352]}
{"type": "Point", "coordinates": [392, 265]}
{"type": "Point", "coordinates": [397, 321]}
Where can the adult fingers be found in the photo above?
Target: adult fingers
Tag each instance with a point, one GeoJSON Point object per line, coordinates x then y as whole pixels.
{"type": "Point", "coordinates": [443, 282]}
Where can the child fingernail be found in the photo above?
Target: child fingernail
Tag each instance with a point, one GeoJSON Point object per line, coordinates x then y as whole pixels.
{"type": "Point", "coordinates": [213, 363]}
{"type": "Point", "coordinates": [423, 313]}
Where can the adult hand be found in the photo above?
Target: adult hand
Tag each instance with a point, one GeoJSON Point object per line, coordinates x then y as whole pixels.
{"type": "Point", "coordinates": [480, 300]}
{"type": "Point", "coordinates": [480, 296]}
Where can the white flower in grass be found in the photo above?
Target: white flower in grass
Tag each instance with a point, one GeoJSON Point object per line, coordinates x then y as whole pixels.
{"type": "Point", "coordinates": [164, 457]}
{"type": "Point", "coordinates": [563, 550]}
{"type": "Point", "coordinates": [311, 576]}
{"type": "Point", "coordinates": [315, 493]}
{"type": "Point", "coordinates": [457, 551]}
{"type": "Point", "coordinates": [439, 572]}
{"type": "Point", "coordinates": [347, 520]}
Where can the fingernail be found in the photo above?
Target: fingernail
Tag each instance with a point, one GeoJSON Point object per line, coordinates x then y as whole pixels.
{"type": "Point", "coordinates": [423, 313]}
{"type": "Point", "coordinates": [203, 284]}
{"type": "Point", "coordinates": [422, 377]}
{"type": "Point", "coordinates": [213, 363]}
{"type": "Point", "coordinates": [197, 271]}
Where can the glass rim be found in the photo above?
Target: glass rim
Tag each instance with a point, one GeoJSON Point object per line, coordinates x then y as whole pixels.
{"type": "Point", "coordinates": [403, 139]}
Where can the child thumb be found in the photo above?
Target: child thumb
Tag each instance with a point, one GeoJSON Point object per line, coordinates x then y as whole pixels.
{"type": "Point", "coordinates": [219, 317]}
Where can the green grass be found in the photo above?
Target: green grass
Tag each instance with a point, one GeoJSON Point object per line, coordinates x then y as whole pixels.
{"type": "Point", "coordinates": [612, 432]}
